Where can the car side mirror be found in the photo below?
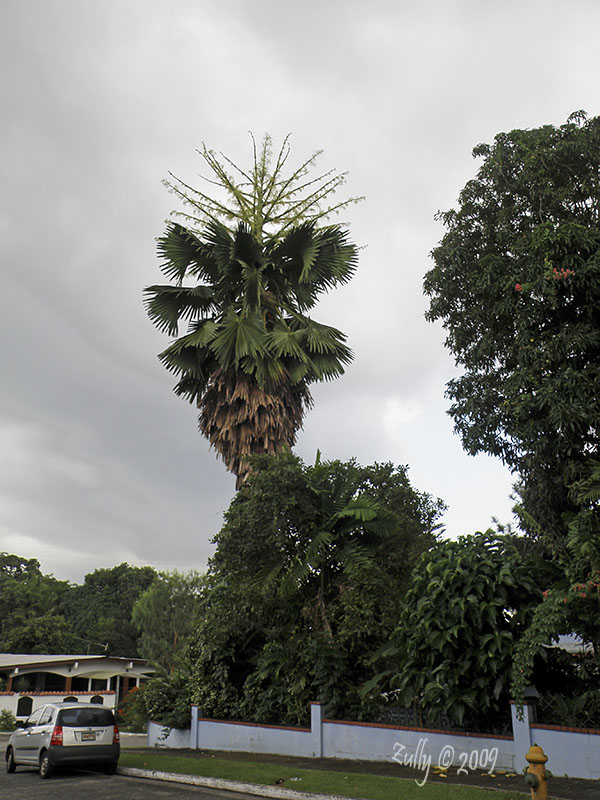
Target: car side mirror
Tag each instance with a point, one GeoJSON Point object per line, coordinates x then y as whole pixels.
{"type": "Point", "coordinates": [23, 724]}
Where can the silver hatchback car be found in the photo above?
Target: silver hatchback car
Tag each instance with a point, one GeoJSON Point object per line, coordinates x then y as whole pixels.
{"type": "Point", "coordinates": [65, 734]}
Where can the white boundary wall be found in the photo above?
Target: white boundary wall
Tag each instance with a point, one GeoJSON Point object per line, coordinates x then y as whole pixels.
{"type": "Point", "coordinates": [572, 753]}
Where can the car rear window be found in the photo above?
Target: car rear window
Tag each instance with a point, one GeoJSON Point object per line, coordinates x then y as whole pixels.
{"type": "Point", "coordinates": [85, 717]}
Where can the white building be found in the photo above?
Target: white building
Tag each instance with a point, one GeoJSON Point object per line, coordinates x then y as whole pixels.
{"type": "Point", "coordinates": [32, 680]}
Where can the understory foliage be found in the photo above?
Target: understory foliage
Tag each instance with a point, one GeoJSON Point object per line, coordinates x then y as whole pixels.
{"type": "Point", "coordinates": [571, 602]}
{"type": "Point", "coordinates": [166, 616]}
{"type": "Point", "coordinates": [246, 268]}
{"type": "Point", "coordinates": [450, 655]}
{"type": "Point", "coordinates": [8, 721]}
{"type": "Point", "coordinates": [165, 698]}
{"type": "Point", "coordinates": [306, 583]}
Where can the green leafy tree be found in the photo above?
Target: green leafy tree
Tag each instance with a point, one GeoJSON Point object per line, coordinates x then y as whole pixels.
{"type": "Point", "coordinates": [306, 583]}
{"type": "Point", "coordinates": [451, 654]}
{"type": "Point", "coordinates": [516, 284]}
{"type": "Point", "coordinates": [18, 568]}
{"type": "Point", "coordinates": [28, 632]}
{"type": "Point", "coordinates": [165, 616]}
{"type": "Point", "coordinates": [32, 606]}
{"type": "Point", "coordinates": [246, 270]}
{"type": "Point", "coordinates": [100, 609]}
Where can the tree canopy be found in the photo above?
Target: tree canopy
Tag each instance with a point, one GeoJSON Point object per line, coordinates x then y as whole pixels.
{"type": "Point", "coordinates": [100, 609]}
{"type": "Point", "coordinates": [245, 272]}
{"type": "Point", "coordinates": [31, 608]}
{"type": "Point", "coordinates": [306, 583]}
{"type": "Point", "coordinates": [165, 615]}
{"type": "Point", "coordinates": [516, 284]}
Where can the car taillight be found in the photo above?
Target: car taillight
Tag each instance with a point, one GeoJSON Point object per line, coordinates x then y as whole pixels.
{"type": "Point", "coordinates": [116, 736]}
{"type": "Point", "coordinates": [57, 735]}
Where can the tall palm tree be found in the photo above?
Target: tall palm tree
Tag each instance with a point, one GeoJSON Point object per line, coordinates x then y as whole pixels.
{"type": "Point", "coordinates": [244, 275]}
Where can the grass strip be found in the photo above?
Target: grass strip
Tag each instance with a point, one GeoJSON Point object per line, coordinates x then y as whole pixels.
{"type": "Point", "coordinates": [355, 785]}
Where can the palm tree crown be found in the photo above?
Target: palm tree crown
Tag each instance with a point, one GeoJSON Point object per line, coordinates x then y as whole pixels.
{"type": "Point", "coordinates": [250, 350]}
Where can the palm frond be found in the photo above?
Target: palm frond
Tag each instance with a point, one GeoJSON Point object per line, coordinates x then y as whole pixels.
{"type": "Point", "coordinates": [268, 371]}
{"type": "Point", "coordinates": [361, 509]}
{"type": "Point", "coordinates": [354, 557]}
{"type": "Point", "coordinates": [282, 341]}
{"type": "Point", "coordinates": [167, 305]}
{"type": "Point", "coordinates": [326, 367]}
{"type": "Point", "coordinates": [178, 248]}
{"type": "Point", "coordinates": [184, 253]}
{"type": "Point", "coordinates": [337, 259]}
{"type": "Point", "coordinates": [238, 336]}
{"type": "Point", "coordinates": [325, 339]}
{"type": "Point", "coordinates": [303, 567]}
{"type": "Point", "coordinates": [191, 389]}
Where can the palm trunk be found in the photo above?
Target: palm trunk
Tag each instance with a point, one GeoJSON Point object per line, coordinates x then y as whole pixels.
{"type": "Point", "coordinates": [240, 419]}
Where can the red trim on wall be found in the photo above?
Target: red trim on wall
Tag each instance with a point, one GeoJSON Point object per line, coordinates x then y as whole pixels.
{"type": "Point", "coordinates": [419, 730]}
{"type": "Point", "coordinates": [39, 694]}
{"type": "Point", "coordinates": [254, 724]}
{"type": "Point", "coordinates": [544, 727]}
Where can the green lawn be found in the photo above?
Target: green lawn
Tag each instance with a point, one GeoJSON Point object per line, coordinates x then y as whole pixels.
{"type": "Point", "coordinates": [372, 787]}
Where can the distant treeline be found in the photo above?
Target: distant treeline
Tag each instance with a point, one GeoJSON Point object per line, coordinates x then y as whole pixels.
{"type": "Point", "coordinates": [40, 614]}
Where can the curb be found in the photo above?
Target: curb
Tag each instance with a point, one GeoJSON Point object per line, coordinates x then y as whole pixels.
{"type": "Point", "coordinates": [231, 786]}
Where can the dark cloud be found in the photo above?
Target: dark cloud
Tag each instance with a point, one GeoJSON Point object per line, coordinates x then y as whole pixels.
{"type": "Point", "coordinates": [101, 462]}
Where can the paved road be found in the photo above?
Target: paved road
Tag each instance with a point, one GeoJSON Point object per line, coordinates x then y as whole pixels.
{"type": "Point", "coordinates": [26, 784]}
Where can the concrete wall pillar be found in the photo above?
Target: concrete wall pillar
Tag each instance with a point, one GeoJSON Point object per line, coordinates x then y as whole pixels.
{"type": "Point", "coordinates": [316, 728]}
{"type": "Point", "coordinates": [521, 734]}
{"type": "Point", "coordinates": [194, 728]}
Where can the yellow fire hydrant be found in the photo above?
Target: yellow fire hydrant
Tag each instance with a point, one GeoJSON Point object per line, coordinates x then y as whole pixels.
{"type": "Point", "coordinates": [535, 777]}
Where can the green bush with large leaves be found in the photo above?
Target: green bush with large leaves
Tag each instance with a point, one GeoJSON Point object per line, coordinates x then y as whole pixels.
{"type": "Point", "coordinates": [451, 654]}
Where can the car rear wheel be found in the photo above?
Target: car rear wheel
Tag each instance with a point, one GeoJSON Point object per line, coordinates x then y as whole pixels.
{"type": "Point", "coordinates": [110, 769]}
{"type": "Point", "coordinates": [45, 769]}
{"type": "Point", "coordinates": [10, 761]}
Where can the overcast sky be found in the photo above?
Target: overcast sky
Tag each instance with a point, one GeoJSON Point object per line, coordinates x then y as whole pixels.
{"type": "Point", "coordinates": [100, 461]}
